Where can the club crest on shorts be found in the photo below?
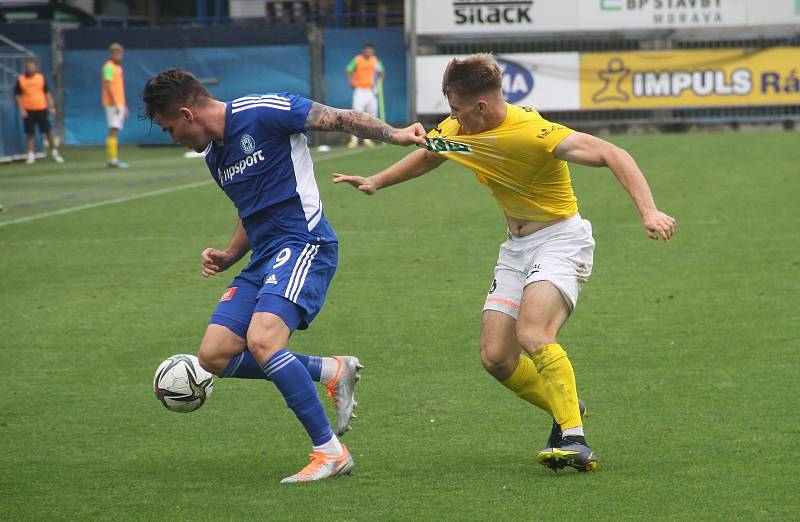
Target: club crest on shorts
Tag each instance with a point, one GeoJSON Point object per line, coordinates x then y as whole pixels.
{"type": "Point", "coordinates": [247, 143]}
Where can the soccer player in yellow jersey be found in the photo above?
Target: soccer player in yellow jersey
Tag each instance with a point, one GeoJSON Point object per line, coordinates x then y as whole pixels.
{"type": "Point", "coordinates": [522, 158]}
{"type": "Point", "coordinates": [114, 103]}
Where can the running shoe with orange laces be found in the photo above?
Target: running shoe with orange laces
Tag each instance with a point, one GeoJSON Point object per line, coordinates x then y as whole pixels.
{"type": "Point", "coordinates": [342, 389]}
{"type": "Point", "coordinates": [323, 466]}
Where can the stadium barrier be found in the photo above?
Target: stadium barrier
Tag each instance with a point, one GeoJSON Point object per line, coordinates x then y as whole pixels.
{"type": "Point", "coordinates": [254, 59]}
{"type": "Point", "coordinates": [309, 61]}
{"type": "Point", "coordinates": [226, 72]}
{"type": "Point", "coordinates": [560, 56]}
{"type": "Point", "coordinates": [12, 60]}
{"type": "Point", "coordinates": [12, 141]}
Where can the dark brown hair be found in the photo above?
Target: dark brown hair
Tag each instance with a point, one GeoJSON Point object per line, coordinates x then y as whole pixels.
{"type": "Point", "coordinates": [472, 76]}
{"type": "Point", "coordinates": [167, 91]}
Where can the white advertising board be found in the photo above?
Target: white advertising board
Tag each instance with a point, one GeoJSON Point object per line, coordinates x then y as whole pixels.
{"type": "Point", "coordinates": [661, 14]}
{"type": "Point", "coordinates": [488, 17]}
{"type": "Point", "coordinates": [547, 81]}
{"type": "Point", "coordinates": [773, 12]}
{"type": "Point", "coordinates": [495, 16]}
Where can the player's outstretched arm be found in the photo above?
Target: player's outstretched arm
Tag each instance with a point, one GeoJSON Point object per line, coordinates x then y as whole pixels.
{"type": "Point", "coordinates": [215, 260]}
{"type": "Point", "coordinates": [585, 149]}
{"type": "Point", "coordinates": [324, 118]}
{"type": "Point", "coordinates": [414, 165]}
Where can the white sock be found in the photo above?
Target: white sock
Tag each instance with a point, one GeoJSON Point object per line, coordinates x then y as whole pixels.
{"type": "Point", "coordinates": [333, 447]}
{"type": "Point", "coordinates": [54, 151]}
{"type": "Point", "coordinates": [578, 430]}
{"type": "Point", "coordinates": [329, 368]}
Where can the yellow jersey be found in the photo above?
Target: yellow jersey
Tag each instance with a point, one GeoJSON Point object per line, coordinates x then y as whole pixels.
{"type": "Point", "coordinates": [516, 162]}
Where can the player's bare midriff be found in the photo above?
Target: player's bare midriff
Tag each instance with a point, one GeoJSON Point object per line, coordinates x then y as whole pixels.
{"type": "Point", "coordinates": [522, 227]}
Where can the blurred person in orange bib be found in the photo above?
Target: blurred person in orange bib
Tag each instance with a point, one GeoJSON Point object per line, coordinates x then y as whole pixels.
{"type": "Point", "coordinates": [364, 73]}
{"type": "Point", "coordinates": [35, 101]}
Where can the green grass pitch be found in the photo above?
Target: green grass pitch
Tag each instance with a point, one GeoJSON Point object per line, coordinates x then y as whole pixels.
{"type": "Point", "coordinates": [686, 353]}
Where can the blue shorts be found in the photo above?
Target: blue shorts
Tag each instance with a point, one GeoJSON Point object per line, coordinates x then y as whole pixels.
{"type": "Point", "coordinates": [290, 282]}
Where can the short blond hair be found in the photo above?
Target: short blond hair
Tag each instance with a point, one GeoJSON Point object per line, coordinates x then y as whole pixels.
{"type": "Point", "coordinates": [474, 75]}
{"type": "Point", "coordinates": [115, 47]}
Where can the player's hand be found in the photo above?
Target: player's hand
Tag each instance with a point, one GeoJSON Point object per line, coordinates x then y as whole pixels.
{"type": "Point", "coordinates": [657, 224]}
{"type": "Point", "coordinates": [215, 261]}
{"type": "Point", "coordinates": [365, 185]}
{"type": "Point", "coordinates": [125, 109]}
{"type": "Point", "coordinates": [53, 111]}
{"type": "Point", "coordinates": [23, 113]}
{"type": "Point", "coordinates": [411, 135]}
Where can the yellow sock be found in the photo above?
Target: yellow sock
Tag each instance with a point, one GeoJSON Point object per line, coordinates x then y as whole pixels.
{"type": "Point", "coordinates": [559, 384]}
{"type": "Point", "coordinates": [111, 149]}
{"type": "Point", "coordinates": [528, 385]}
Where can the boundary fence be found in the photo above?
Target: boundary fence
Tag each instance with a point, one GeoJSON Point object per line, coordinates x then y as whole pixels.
{"type": "Point", "coordinates": [679, 118]}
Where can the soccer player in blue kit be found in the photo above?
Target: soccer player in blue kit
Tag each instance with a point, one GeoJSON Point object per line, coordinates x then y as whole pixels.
{"type": "Point", "coordinates": [257, 152]}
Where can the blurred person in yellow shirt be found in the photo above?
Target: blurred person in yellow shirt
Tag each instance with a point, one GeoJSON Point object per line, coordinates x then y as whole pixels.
{"type": "Point", "coordinates": [114, 104]}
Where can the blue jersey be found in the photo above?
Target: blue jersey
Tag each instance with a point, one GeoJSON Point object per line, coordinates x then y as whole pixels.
{"type": "Point", "coordinates": [264, 166]}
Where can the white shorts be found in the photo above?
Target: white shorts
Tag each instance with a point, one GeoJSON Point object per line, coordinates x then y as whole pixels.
{"type": "Point", "coordinates": [561, 254]}
{"type": "Point", "coordinates": [115, 118]}
{"type": "Point", "coordinates": [365, 100]}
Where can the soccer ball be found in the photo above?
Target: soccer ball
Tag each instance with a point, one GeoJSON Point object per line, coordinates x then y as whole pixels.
{"type": "Point", "coordinates": [181, 384]}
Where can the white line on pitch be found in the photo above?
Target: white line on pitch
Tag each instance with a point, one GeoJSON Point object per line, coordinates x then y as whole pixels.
{"type": "Point", "coordinates": [103, 203]}
{"type": "Point", "coordinates": [144, 195]}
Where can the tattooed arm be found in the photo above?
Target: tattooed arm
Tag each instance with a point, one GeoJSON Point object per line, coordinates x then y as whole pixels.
{"type": "Point", "coordinates": [324, 118]}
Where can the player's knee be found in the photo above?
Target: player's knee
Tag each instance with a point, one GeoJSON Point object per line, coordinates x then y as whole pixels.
{"type": "Point", "coordinates": [491, 364]}
{"type": "Point", "coordinates": [212, 360]}
{"type": "Point", "coordinates": [262, 346]}
{"type": "Point", "coordinates": [533, 337]}
{"type": "Point", "coordinates": [498, 364]}
{"type": "Point", "coordinates": [209, 363]}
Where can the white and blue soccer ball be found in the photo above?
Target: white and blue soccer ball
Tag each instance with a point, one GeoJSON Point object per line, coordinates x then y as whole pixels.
{"type": "Point", "coordinates": [181, 384]}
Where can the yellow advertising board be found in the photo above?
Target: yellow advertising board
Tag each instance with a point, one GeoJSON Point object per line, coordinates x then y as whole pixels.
{"type": "Point", "coordinates": [709, 78]}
